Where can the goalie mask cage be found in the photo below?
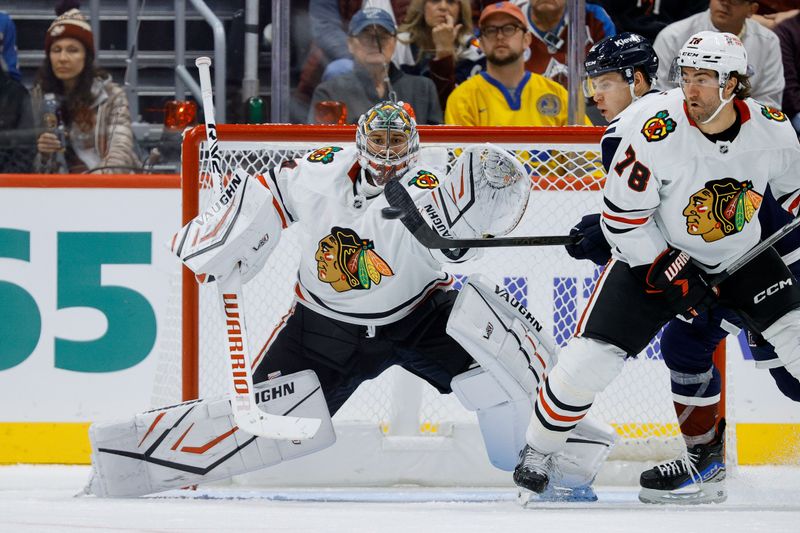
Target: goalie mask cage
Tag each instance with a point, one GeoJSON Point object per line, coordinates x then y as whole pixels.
{"type": "Point", "coordinates": [396, 429]}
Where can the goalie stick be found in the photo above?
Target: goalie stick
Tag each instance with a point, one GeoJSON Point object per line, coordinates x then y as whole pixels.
{"type": "Point", "coordinates": [246, 413]}
{"type": "Point", "coordinates": [403, 207]}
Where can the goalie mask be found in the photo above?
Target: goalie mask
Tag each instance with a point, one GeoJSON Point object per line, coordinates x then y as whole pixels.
{"type": "Point", "coordinates": [387, 141]}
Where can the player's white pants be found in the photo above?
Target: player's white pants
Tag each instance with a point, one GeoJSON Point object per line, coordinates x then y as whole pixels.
{"type": "Point", "coordinates": [585, 367]}
{"type": "Point", "coordinates": [784, 335]}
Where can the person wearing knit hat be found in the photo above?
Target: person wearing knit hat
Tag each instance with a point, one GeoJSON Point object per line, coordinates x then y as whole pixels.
{"type": "Point", "coordinates": [91, 130]}
{"type": "Point", "coordinates": [73, 25]}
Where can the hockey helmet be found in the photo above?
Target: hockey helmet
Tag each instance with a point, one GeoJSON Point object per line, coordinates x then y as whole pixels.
{"type": "Point", "coordinates": [376, 140]}
{"type": "Point", "coordinates": [718, 51]}
{"type": "Point", "coordinates": [622, 53]}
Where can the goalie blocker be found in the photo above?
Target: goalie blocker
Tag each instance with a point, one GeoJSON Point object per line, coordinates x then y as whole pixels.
{"type": "Point", "coordinates": [515, 352]}
{"type": "Point", "coordinates": [240, 227]}
{"type": "Point", "coordinates": [198, 441]}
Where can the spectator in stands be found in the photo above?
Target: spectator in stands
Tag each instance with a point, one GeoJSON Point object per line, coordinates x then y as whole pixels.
{"type": "Point", "coordinates": [372, 40]}
{"type": "Point", "coordinates": [329, 55]}
{"type": "Point", "coordinates": [505, 94]}
{"type": "Point", "coordinates": [773, 12]}
{"type": "Point", "coordinates": [647, 18]}
{"type": "Point", "coordinates": [8, 46]}
{"type": "Point", "coordinates": [788, 33]}
{"type": "Point", "coordinates": [16, 125]}
{"type": "Point", "coordinates": [548, 22]}
{"type": "Point", "coordinates": [94, 111]}
{"type": "Point", "coordinates": [436, 41]}
{"type": "Point", "coordinates": [731, 16]}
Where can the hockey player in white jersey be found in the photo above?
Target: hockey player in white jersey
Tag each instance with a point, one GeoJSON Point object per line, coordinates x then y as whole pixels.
{"type": "Point", "coordinates": [697, 476]}
{"type": "Point", "coordinates": [368, 296]}
{"type": "Point", "coordinates": [680, 199]}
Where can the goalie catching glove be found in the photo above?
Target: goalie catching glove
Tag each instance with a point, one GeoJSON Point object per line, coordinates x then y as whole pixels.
{"type": "Point", "coordinates": [486, 192]}
{"type": "Point", "coordinates": [239, 227]}
{"type": "Point", "coordinates": [681, 282]}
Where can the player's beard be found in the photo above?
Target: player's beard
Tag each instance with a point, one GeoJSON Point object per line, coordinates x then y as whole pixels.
{"type": "Point", "coordinates": [702, 111]}
{"type": "Point", "coordinates": [512, 57]}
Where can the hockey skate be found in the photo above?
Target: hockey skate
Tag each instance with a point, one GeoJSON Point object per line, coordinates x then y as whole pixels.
{"type": "Point", "coordinates": [537, 466]}
{"type": "Point", "coordinates": [697, 477]}
{"type": "Point", "coordinates": [533, 470]}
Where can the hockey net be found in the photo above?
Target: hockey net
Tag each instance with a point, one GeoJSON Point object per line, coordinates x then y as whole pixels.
{"type": "Point", "coordinates": [396, 428]}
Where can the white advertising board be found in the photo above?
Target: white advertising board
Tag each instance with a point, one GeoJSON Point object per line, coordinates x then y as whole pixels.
{"type": "Point", "coordinates": [84, 277]}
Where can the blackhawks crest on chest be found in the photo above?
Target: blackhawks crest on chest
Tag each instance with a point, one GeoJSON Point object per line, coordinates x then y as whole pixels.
{"type": "Point", "coordinates": [721, 208]}
{"type": "Point", "coordinates": [348, 262]}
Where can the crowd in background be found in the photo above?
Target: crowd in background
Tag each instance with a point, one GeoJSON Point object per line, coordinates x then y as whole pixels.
{"type": "Point", "coordinates": [466, 62]}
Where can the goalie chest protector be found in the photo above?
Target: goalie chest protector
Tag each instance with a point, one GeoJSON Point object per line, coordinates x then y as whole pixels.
{"type": "Point", "coordinates": [356, 266]}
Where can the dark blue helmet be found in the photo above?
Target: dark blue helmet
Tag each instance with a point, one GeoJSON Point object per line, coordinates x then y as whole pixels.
{"type": "Point", "coordinates": [622, 53]}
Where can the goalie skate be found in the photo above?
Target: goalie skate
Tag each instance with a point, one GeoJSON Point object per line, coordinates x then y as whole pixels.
{"type": "Point", "coordinates": [540, 479]}
{"type": "Point", "coordinates": [534, 470]}
{"type": "Point", "coordinates": [698, 477]}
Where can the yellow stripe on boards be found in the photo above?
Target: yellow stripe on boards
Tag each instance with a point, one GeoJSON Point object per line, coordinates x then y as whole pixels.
{"type": "Point", "coordinates": [44, 442]}
{"type": "Point", "coordinates": [68, 442]}
{"type": "Point", "coordinates": [765, 444]}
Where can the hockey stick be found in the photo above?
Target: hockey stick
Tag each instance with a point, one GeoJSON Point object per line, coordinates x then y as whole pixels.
{"type": "Point", "coordinates": [204, 67]}
{"type": "Point", "coordinates": [403, 207]}
{"type": "Point", "coordinates": [754, 252]}
{"type": "Point", "coordinates": [246, 413]}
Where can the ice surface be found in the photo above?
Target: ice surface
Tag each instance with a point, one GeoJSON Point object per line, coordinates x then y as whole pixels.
{"type": "Point", "coordinates": [41, 498]}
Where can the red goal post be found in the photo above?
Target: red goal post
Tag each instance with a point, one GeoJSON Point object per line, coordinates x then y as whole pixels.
{"type": "Point", "coordinates": [566, 177]}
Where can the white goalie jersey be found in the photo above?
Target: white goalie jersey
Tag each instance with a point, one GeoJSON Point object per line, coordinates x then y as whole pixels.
{"type": "Point", "coordinates": [356, 266]}
{"type": "Point", "coordinates": [668, 184]}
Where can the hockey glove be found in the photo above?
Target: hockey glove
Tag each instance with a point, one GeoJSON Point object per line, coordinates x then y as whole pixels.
{"type": "Point", "coordinates": [681, 282]}
{"type": "Point", "coordinates": [594, 245]}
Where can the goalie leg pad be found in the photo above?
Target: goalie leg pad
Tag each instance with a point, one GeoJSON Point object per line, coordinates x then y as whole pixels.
{"type": "Point", "coordinates": [198, 441]}
{"type": "Point", "coordinates": [502, 336]}
{"type": "Point", "coordinates": [502, 419]}
{"type": "Point", "coordinates": [584, 453]}
{"type": "Point", "coordinates": [503, 422]}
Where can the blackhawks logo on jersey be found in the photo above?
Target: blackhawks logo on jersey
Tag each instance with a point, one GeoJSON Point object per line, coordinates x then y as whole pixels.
{"type": "Point", "coordinates": [658, 127]}
{"type": "Point", "coordinates": [347, 261]}
{"type": "Point", "coordinates": [323, 155]}
{"type": "Point", "coordinates": [424, 180]}
{"type": "Point", "coordinates": [721, 208]}
{"type": "Point", "coordinates": [773, 114]}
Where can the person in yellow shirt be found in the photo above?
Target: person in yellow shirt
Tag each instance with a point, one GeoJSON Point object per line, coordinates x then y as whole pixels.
{"type": "Point", "coordinates": [505, 94]}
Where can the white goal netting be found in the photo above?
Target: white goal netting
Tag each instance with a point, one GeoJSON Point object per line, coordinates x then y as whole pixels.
{"type": "Point", "coordinates": [397, 419]}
